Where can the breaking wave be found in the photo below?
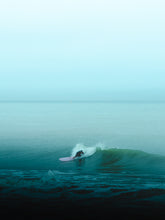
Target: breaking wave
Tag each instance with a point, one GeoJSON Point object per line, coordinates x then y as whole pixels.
{"type": "Point", "coordinates": [105, 159]}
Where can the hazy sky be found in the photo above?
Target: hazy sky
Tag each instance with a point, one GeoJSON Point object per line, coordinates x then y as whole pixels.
{"type": "Point", "coordinates": [82, 50]}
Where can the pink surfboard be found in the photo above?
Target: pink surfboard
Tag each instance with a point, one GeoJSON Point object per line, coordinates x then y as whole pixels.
{"type": "Point", "coordinates": [66, 159]}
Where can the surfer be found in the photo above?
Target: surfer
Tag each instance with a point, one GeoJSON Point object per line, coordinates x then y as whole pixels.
{"type": "Point", "coordinates": [79, 154]}
{"type": "Point", "coordinates": [80, 160]}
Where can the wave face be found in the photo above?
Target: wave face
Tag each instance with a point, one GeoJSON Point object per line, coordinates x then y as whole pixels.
{"type": "Point", "coordinates": [116, 160]}
{"type": "Point", "coordinates": [131, 160]}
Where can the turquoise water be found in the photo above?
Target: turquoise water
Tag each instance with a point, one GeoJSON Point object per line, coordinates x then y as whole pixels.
{"type": "Point", "coordinates": [124, 145]}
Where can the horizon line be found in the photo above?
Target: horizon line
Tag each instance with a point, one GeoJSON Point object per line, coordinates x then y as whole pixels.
{"type": "Point", "coordinates": [80, 101]}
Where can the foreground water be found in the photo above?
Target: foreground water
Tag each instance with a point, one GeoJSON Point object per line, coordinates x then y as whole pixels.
{"type": "Point", "coordinates": [123, 166]}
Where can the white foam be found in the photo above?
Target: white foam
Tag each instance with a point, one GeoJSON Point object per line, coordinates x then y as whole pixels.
{"type": "Point", "coordinates": [88, 151]}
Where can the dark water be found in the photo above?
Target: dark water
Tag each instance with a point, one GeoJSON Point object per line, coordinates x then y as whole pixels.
{"type": "Point", "coordinates": [122, 172]}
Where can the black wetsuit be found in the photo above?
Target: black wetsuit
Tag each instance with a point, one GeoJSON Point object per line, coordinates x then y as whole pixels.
{"type": "Point", "coordinates": [79, 153]}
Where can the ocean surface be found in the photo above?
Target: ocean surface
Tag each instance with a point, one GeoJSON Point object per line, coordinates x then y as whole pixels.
{"type": "Point", "coordinates": [122, 170]}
